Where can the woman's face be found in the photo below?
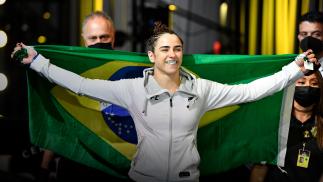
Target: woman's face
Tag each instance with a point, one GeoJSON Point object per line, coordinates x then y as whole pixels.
{"type": "Point", "coordinates": [310, 80]}
{"type": "Point", "coordinates": [307, 92]}
{"type": "Point", "coordinates": [168, 54]}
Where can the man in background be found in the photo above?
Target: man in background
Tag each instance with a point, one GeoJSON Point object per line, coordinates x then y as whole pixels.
{"type": "Point", "coordinates": [310, 34]}
{"type": "Point", "coordinates": [98, 31]}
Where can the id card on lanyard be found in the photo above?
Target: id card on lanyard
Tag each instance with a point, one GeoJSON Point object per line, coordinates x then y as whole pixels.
{"type": "Point", "coordinates": [303, 158]}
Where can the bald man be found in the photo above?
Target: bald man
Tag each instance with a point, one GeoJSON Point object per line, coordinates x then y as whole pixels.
{"type": "Point", "coordinates": [98, 31]}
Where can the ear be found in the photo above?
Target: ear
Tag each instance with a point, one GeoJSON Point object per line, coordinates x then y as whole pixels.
{"type": "Point", "coordinates": [84, 40]}
{"type": "Point", "coordinates": [151, 56]}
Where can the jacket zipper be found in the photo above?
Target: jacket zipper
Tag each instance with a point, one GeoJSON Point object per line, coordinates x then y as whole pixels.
{"type": "Point", "coordinates": [170, 136]}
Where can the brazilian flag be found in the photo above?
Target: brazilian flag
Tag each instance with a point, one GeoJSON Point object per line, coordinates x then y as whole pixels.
{"type": "Point", "coordinates": [103, 135]}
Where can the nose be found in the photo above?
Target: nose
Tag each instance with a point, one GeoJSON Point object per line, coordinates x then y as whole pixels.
{"type": "Point", "coordinates": [308, 83]}
{"type": "Point", "coordinates": [100, 40]}
{"type": "Point", "coordinates": [171, 53]}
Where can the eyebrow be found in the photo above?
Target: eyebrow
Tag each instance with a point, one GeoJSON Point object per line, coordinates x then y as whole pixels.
{"type": "Point", "coordinates": [314, 79]}
{"type": "Point", "coordinates": [178, 46]}
{"type": "Point", "coordinates": [101, 35]}
{"type": "Point", "coordinates": [316, 31]}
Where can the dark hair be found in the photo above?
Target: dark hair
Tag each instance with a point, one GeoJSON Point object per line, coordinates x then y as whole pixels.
{"type": "Point", "coordinates": [312, 16]}
{"type": "Point", "coordinates": [319, 113]}
{"type": "Point", "coordinates": [159, 29]}
{"type": "Point", "coordinates": [97, 14]}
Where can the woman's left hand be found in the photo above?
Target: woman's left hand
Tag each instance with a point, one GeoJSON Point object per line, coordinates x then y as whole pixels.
{"type": "Point", "coordinates": [306, 59]}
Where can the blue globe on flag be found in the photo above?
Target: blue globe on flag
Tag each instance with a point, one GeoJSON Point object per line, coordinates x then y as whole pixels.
{"type": "Point", "coordinates": [116, 117]}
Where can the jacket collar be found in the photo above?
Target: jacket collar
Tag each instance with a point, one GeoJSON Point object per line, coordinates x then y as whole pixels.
{"type": "Point", "coordinates": [152, 88]}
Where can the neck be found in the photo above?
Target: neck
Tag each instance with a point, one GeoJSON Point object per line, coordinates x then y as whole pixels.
{"type": "Point", "coordinates": [169, 82]}
{"type": "Point", "coordinates": [302, 113]}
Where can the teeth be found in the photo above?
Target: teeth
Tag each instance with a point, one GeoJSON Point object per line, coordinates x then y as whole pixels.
{"type": "Point", "coordinates": [171, 62]}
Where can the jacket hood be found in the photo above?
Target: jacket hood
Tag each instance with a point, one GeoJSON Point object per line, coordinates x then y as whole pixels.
{"type": "Point", "coordinates": [153, 89]}
{"type": "Point", "coordinates": [187, 86]}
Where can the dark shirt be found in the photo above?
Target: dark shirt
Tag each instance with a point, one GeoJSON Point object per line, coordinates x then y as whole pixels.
{"type": "Point", "coordinates": [300, 135]}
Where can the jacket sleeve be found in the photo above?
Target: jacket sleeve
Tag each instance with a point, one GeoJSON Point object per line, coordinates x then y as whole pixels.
{"type": "Point", "coordinates": [220, 95]}
{"type": "Point", "coordinates": [104, 90]}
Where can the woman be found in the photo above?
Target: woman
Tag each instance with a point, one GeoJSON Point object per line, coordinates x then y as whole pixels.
{"type": "Point", "coordinates": [167, 103]}
{"type": "Point", "coordinates": [304, 155]}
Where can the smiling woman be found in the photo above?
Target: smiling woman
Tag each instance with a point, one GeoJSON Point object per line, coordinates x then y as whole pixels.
{"type": "Point", "coordinates": [166, 104]}
{"type": "Point", "coordinates": [167, 55]}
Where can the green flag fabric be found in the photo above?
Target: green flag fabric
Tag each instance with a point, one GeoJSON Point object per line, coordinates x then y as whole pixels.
{"type": "Point", "coordinates": [91, 132]}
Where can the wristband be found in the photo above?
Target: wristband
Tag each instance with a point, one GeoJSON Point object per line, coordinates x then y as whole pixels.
{"type": "Point", "coordinates": [35, 57]}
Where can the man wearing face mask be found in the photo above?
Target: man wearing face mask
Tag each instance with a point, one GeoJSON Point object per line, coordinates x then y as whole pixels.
{"type": "Point", "coordinates": [98, 31]}
{"type": "Point", "coordinates": [310, 34]}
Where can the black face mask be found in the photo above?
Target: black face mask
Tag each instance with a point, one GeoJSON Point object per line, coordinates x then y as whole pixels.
{"type": "Point", "coordinates": [102, 46]}
{"type": "Point", "coordinates": [311, 43]}
{"type": "Point", "coordinates": [306, 96]}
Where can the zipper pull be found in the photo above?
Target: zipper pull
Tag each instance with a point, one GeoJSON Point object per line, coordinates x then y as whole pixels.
{"type": "Point", "coordinates": [171, 102]}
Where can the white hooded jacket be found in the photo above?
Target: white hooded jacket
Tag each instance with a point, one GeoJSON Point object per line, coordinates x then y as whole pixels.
{"type": "Point", "coordinates": [166, 123]}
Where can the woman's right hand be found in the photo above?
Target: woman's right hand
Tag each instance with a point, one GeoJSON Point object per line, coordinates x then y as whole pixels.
{"type": "Point", "coordinates": [30, 51]}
